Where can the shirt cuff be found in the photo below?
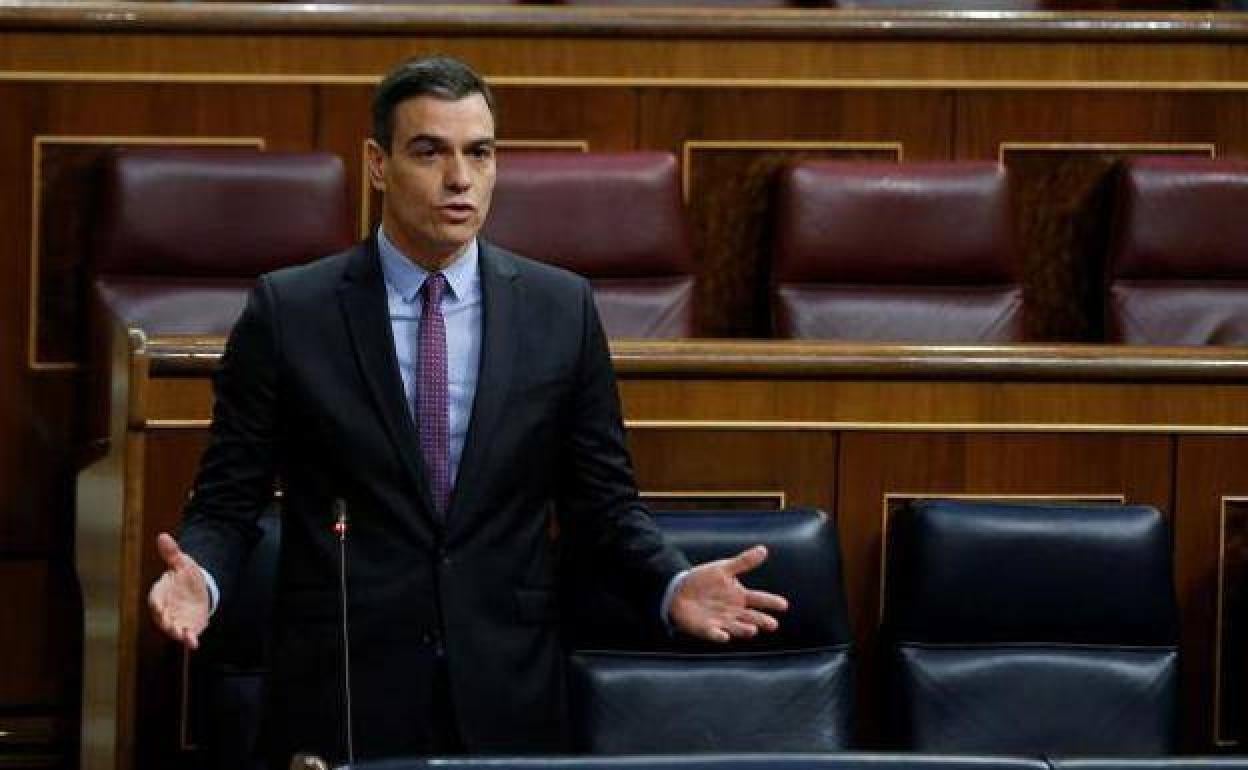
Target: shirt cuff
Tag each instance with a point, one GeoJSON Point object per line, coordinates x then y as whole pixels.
{"type": "Point", "coordinates": [665, 607]}
{"type": "Point", "coordinates": [214, 593]}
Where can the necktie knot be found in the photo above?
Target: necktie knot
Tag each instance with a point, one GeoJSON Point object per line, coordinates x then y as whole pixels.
{"type": "Point", "coordinates": [435, 284]}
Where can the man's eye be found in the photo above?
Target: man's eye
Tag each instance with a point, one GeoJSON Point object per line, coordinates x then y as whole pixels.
{"type": "Point", "coordinates": [483, 153]}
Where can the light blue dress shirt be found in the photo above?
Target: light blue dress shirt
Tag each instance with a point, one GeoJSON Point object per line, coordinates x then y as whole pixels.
{"type": "Point", "coordinates": [462, 311]}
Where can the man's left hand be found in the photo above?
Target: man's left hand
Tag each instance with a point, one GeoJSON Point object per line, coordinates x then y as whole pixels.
{"type": "Point", "coordinates": [711, 603]}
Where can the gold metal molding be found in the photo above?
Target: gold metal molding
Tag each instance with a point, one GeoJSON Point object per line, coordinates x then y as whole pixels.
{"type": "Point", "coordinates": [892, 497]}
{"type": "Point", "coordinates": [1133, 147]}
{"type": "Point", "coordinates": [690, 146]}
{"type": "Point", "coordinates": [855, 427]}
{"type": "Point", "coordinates": [39, 141]}
{"type": "Point", "coordinates": [366, 187]}
{"type": "Point", "coordinates": [622, 81]}
{"type": "Point", "coordinates": [1225, 503]}
{"type": "Point", "coordinates": [930, 427]}
{"type": "Point", "coordinates": [778, 496]}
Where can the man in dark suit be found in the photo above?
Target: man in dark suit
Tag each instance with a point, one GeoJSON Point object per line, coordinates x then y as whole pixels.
{"type": "Point", "coordinates": [450, 398]}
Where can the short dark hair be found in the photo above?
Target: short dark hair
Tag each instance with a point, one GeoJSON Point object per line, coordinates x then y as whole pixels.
{"type": "Point", "coordinates": [442, 77]}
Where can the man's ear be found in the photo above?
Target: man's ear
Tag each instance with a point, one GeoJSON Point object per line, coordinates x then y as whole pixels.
{"type": "Point", "coordinates": [376, 159]}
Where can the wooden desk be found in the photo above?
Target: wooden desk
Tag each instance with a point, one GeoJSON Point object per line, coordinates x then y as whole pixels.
{"type": "Point", "coordinates": [854, 430]}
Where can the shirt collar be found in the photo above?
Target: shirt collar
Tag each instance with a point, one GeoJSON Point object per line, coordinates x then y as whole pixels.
{"type": "Point", "coordinates": [406, 277]}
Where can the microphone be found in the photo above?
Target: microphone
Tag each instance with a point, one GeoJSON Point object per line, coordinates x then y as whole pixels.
{"type": "Point", "coordinates": [341, 523]}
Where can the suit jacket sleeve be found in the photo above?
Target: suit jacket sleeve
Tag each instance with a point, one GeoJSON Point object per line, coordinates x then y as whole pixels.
{"type": "Point", "coordinates": [236, 475]}
{"type": "Point", "coordinates": [601, 509]}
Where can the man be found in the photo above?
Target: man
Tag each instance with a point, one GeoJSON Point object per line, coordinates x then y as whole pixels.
{"type": "Point", "coordinates": [449, 397]}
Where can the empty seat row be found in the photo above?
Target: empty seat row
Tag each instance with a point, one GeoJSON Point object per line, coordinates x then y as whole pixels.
{"type": "Point", "coordinates": [1007, 628]}
{"type": "Point", "coordinates": [916, 253]}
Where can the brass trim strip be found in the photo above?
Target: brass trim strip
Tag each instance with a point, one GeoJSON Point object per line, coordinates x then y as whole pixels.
{"type": "Point", "coordinates": [849, 426]}
{"type": "Point", "coordinates": [770, 24]}
{"type": "Point", "coordinates": [38, 141]}
{"type": "Point", "coordinates": [622, 81]}
{"type": "Point", "coordinates": [928, 427]}
{"type": "Point", "coordinates": [366, 187]}
{"type": "Point", "coordinates": [1218, 740]}
{"type": "Point", "coordinates": [689, 146]}
{"type": "Point", "coordinates": [777, 495]}
{"type": "Point", "coordinates": [1009, 498]}
{"type": "Point", "coordinates": [1175, 147]}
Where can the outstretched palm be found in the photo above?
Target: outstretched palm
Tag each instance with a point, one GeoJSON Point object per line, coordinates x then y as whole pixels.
{"type": "Point", "coordinates": [179, 600]}
{"type": "Point", "coordinates": [712, 603]}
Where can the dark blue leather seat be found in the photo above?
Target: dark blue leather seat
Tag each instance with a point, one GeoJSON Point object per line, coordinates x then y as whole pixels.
{"type": "Point", "coordinates": [636, 689]}
{"type": "Point", "coordinates": [1031, 629]}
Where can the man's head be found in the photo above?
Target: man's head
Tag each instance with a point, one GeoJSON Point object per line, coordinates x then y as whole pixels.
{"type": "Point", "coordinates": [432, 155]}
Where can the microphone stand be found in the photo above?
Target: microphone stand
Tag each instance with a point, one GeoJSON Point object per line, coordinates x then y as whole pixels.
{"type": "Point", "coordinates": [340, 529]}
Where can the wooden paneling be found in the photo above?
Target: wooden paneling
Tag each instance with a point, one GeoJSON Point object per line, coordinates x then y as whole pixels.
{"type": "Point", "coordinates": [1209, 470]}
{"type": "Point", "coordinates": [943, 87]}
{"type": "Point", "coordinates": [874, 466]}
{"type": "Point", "coordinates": [38, 633]}
{"type": "Point", "coordinates": [171, 459]}
{"type": "Point", "coordinates": [802, 466]}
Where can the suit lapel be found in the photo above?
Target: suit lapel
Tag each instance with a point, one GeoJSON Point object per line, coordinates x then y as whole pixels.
{"type": "Point", "coordinates": [499, 290]}
{"type": "Point", "coordinates": [363, 298]}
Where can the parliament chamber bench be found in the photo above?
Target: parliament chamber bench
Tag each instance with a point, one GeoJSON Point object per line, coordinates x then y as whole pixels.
{"type": "Point", "coordinates": [864, 432]}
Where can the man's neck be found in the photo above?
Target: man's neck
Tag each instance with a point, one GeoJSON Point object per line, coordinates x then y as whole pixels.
{"type": "Point", "coordinates": [425, 259]}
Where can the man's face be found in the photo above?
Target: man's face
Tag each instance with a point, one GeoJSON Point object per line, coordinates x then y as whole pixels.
{"type": "Point", "coordinates": [437, 176]}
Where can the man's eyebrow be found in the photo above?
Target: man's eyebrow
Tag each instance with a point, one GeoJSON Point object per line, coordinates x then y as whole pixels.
{"type": "Point", "coordinates": [429, 138]}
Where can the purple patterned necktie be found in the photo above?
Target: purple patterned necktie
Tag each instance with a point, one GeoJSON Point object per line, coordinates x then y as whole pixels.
{"type": "Point", "coordinates": [431, 394]}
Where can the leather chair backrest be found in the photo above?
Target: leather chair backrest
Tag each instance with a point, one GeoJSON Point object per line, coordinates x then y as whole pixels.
{"type": "Point", "coordinates": [1043, 629]}
{"type": "Point", "coordinates": [615, 218]}
{"type": "Point", "coordinates": [880, 252]}
{"type": "Point", "coordinates": [1178, 263]}
{"type": "Point", "coordinates": [182, 234]}
{"type": "Point", "coordinates": [787, 691]}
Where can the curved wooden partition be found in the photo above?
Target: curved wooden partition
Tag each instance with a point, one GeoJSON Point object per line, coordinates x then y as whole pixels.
{"type": "Point", "coordinates": [1059, 98]}
{"type": "Point", "coordinates": [855, 430]}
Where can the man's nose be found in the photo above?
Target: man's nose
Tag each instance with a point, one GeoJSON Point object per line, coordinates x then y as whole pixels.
{"type": "Point", "coordinates": [457, 176]}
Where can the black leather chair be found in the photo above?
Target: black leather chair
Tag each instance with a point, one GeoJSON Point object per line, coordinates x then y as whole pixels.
{"type": "Point", "coordinates": [791, 690]}
{"type": "Point", "coordinates": [1031, 629]}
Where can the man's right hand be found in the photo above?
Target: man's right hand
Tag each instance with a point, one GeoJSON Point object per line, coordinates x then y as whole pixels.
{"type": "Point", "coordinates": [179, 600]}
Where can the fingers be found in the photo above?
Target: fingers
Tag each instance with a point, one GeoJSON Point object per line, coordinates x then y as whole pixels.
{"type": "Point", "coordinates": [171, 615]}
{"type": "Point", "coordinates": [746, 624]}
{"type": "Point", "coordinates": [763, 600]}
{"type": "Point", "coordinates": [746, 560]}
{"type": "Point", "coordinates": [761, 621]}
{"type": "Point", "coordinates": [169, 551]}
